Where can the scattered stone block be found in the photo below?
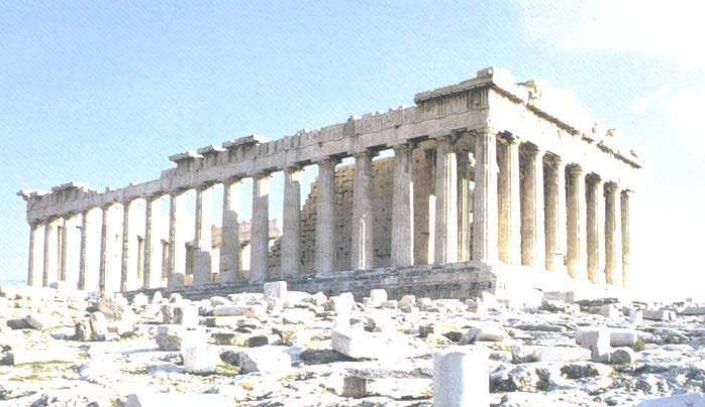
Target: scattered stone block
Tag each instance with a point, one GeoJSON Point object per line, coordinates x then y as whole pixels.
{"type": "Point", "coordinates": [407, 301]}
{"type": "Point", "coordinates": [659, 315]}
{"type": "Point", "coordinates": [186, 315]}
{"type": "Point", "coordinates": [265, 360]}
{"type": "Point", "coordinates": [378, 296]}
{"type": "Point", "coordinates": [623, 356]}
{"type": "Point", "coordinates": [608, 311]}
{"type": "Point", "coordinates": [598, 341]}
{"type": "Point", "coordinates": [623, 337]}
{"type": "Point", "coordinates": [354, 344]}
{"type": "Point", "coordinates": [343, 303]}
{"type": "Point", "coordinates": [354, 387]}
{"type": "Point", "coordinates": [484, 333]}
{"type": "Point", "coordinates": [157, 297]}
{"type": "Point", "coordinates": [461, 378]}
{"type": "Point", "coordinates": [681, 400]}
{"type": "Point", "coordinates": [99, 326]}
{"type": "Point", "coordinates": [199, 358]}
{"type": "Point", "coordinates": [38, 321]}
{"type": "Point", "coordinates": [636, 317]}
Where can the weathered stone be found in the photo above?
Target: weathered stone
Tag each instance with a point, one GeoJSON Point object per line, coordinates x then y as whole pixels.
{"type": "Point", "coordinates": [659, 315]}
{"type": "Point", "coordinates": [277, 289]}
{"type": "Point", "coordinates": [598, 341]}
{"type": "Point", "coordinates": [186, 315]}
{"type": "Point", "coordinates": [199, 358]}
{"type": "Point", "coordinates": [99, 327]}
{"type": "Point", "coordinates": [265, 360]}
{"type": "Point", "coordinates": [460, 378]}
{"type": "Point", "coordinates": [175, 399]}
{"type": "Point", "coordinates": [39, 322]}
{"type": "Point", "coordinates": [623, 356]}
{"type": "Point", "coordinates": [623, 337]}
{"type": "Point", "coordinates": [484, 333]}
{"type": "Point", "coordinates": [681, 400]}
{"type": "Point", "coordinates": [354, 344]}
{"type": "Point", "coordinates": [378, 296]}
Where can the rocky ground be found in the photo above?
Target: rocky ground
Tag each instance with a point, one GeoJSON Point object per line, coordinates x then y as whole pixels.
{"type": "Point", "coordinates": [285, 348]}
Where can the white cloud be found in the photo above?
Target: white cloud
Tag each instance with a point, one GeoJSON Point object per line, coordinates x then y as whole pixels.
{"type": "Point", "coordinates": [670, 30]}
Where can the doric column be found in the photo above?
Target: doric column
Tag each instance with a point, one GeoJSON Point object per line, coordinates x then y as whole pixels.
{"type": "Point", "coordinates": [104, 255]}
{"type": "Point", "coordinates": [555, 196]}
{"type": "Point", "coordinates": [126, 277]}
{"type": "Point", "coordinates": [36, 242]}
{"type": "Point", "coordinates": [464, 206]}
{"type": "Point", "coordinates": [230, 241]}
{"type": "Point", "coordinates": [576, 225]}
{"type": "Point", "coordinates": [446, 225]}
{"type": "Point", "coordinates": [595, 229]}
{"type": "Point", "coordinates": [177, 240]}
{"type": "Point", "coordinates": [485, 205]}
{"type": "Point", "coordinates": [203, 236]}
{"type": "Point", "coordinates": [325, 217]}
{"type": "Point", "coordinates": [509, 200]}
{"type": "Point", "coordinates": [152, 271]}
{"type": "Point", "coordinates": [291, 238]}
{"type": "Point", "coordinates": [402, 207]}
{"type": "Point", "coordinates": [625, 238]}
{"type": "Point", "coordinates": [362, 250]}
{"type": "Point", "coordinates": [63, 247]}
{"type": "Point", "coordinates": [51, 252]}
{"type": "Point", "coordinates": [83, 261]}
{"type": "Point", "coordinates": [533, 247]}
{"type": "Point", "coordinates": [259, 240]}
{"type": "Point", "coordinates": [613, 260]}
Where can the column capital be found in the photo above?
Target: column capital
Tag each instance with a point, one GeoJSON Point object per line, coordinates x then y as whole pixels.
{"type": "Point", "coordinates": [575, 169]}
{"type": "Point", "coordinates": [508, 138]}
{"type": "Point", "coordinates": [366, 153]}
{"type": "Point", "coordinates": [262, 174]}
{"type": "Point", "coordinates": [330, 160]}
{"type": "Point", "coordinates": [205, 185]}
{"type": "Point", "coordinates": [486, 130]}
{"type": "Point", "coordinates": [611, 186]}
{"type": "Point", "coordinates": [553, 159]}
{"type": "Point", "coordinates": [531, 149]}
{"type": "Point", "coordinates": [403, 147]}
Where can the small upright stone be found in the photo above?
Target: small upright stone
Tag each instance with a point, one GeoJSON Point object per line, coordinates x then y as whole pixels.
{"type": "Point", "coordinates": [157, 297]}
{"type": "Point", "coordinates": [597, 340]}
{"type": "Point", "coordinates": [461, 378]}
{"type": "Point", "coordinates": [378, 296]}
{"type": "Point", "coordinates": [277, 289]}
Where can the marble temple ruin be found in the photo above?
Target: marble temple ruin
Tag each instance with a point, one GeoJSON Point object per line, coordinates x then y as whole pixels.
{"type": "Point", "coordinates": [479, 186]}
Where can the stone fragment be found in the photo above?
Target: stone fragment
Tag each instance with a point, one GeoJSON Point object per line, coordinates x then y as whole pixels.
{"type": "Point", "coordinates": [99, 326]}
{"type": "Point", "coordinates": [598, 341]}
{"type": "Point", "coordinates": [636, 317]}
{"type": "Point", "coordinates": [681, 400]}
{"type": "Point", "coordinates": [169, 338]}
{"type": "Point", "coordinates": [378, 296]}
{"type": "Point", "coordinates": [659, 315]}
{"type": "Point", "coordinates": [343, 303]}
{"type": "Point", "coordinates": [157, 297]}
{"type": "Point", "coordinates": [460, 378]}
{"type": "Point", "coordinates": [623, 356]}
{"type": "Point", "coordinates": [484, 333]}
{"type": "Point", "coordinates": [199, 358]}
{"type": "Point", "coordinates": [407, 301]}
{"type": "Point", "coordinates": [277, 289]}
{"type": "Point", "coordinates": [354, 387]}
{"type": "Point", "coordinates": [354, 344]}
{"type": "Point", "coordinates": [186, 315]}
{"type": "Point", "coordinates": [39, 321]}
{"type": "Point", "coordinates": [265, 360]}
{"type": "Point", "coordinates": [623, 337]}
{"type": "Point", "coordinates": [608, 311]}
{"type": "Point", "coordinates": [583, 370]}
{"type": "Point", "coordinates": [175, 399]}
{"type": "Point", "coordinates": [693, 311]}
{"type": "Point", "coordinates": [224, 338]}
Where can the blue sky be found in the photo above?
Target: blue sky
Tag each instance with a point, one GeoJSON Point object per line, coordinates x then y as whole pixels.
{"type": "Point", "coordinates": [103, 92]}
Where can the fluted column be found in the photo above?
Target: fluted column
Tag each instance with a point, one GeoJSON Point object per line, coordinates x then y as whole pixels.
{"type": "Point", "coordinates": [35, 266]}
{"type": "Point", "coordinates": [626, 249]}
{"type": "Point", "coordinates": [464, 206]}
{"type": "Point", "coordinates": [259, 247]}
{"type": "Point", "coordinates": [485, 205]}
{"type": "Point", "coordinates": [613, 259]}
{"type": "Point", "coordinates": [230, 242]}
{"type": "Point", "coordinates": [84, 260]}
{"type": "Point", "coordinates": [402, 207]}
{"type": "Point", "coordinates": [152, 270]}
{"type": "Point", "coordinates": [509, 201]}
{"type": "Point", "coordinates": [127, 256]}
{"type": "Point", "coordinates": [104, 255]}
{"type": "Point", "coordinates": [595, 229]}
{"type": "Point", "coordinates": [362, 250]}
{"type": "Point", "coordinates": [291, 238]}
{"type": "Point", "coordinates": [577, 246]}
{"type": "Point", "coordinates": [325, 217]}
{"type": "Point", "coordinates": [555, 200]}
{"type": "Point", "coordinates": [51, 252]}
{"type": "Point", "coordinates": [63, 235]}
{"type": "Point", "coordinates": [177, 240]}
{"type": "Point", "coordinates": [203, 236]}
{"type": "Point", "coordinates": [446, 225]}
{"type": "Point", "coordinates": [533, 247]}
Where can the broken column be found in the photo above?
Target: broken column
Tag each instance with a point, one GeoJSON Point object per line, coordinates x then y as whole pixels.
{"type": "Point", "coordinates": [461, 378]}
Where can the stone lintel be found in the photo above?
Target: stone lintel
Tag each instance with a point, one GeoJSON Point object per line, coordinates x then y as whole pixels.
{"type": "Point", "coordinates": [188, 155]}
{"type": "Point", "coordinates": [211, 149]}
{"type": "Point", "coordinates": [250, 139]}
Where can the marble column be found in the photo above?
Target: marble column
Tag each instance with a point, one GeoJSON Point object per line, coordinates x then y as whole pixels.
{"type": "Point", "coordinates": [533, 238]}
{"type": "Point", "coordinates": [576, 226]}
{"type": "Point", "coordinates": [446, 225]}
{"type": "Point", "coordinates": [625, 238]}
{"type": "Point", "coordinates": [203, 236]}
{"type": "Point", "coordinates": [325, 217]}
{"type": "Point", "coordinates": [485, 205]}
{"type": "Point", "coordinates": [51, 252]}
{"type": "Point", "coordinates": [126, 279]}
{"type": "Point", "coordinates": [509, 201]}
{"type": "Point", "coordinates": [36, 241]}
{"type": "Point", "coordinates": [63, 234]}
{"type": "Point", "coordinates": [230, 243]}
{"type": "Point", "coordinates": [555, 200]}
{"type": "Point", "coordinates": [259, 240]}
{"type": "Point", "coordinates": [363, 250]}
{"type": "Point", "coordinates": [84, 261]}
{"type": "Point", "coordinates": [595, 229]}
{"type": "Point", "coordinates": [177, 239]}
{"type": "Point", "coordinates": [291, 238]}
{"type": "Point", "coordinates": [613, 259]}
{"type": "Point", "coordinates": [402, 207]}
{"type": "Point", "coordinates": [464, 206]}
{"type": "Point", "coordinates": [152, 270]}
{"type": "Point", "coordinates": [104, 245]}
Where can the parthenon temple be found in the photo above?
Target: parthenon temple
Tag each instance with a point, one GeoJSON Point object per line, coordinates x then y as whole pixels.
{"type": "Point", "coordinates": [480, 186]}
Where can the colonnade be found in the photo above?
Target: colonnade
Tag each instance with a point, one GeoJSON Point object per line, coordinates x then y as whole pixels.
{"type": "Point", "coordinates": [530, 207]}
